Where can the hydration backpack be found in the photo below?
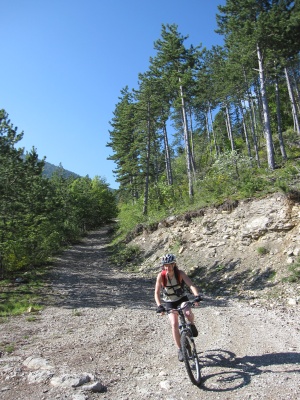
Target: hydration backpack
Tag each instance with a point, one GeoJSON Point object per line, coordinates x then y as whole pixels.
{"type": "Point", "coordinates": [177, 277]}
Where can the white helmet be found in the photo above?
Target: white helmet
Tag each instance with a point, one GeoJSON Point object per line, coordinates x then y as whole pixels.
{"type": "Point", "coordinates": [168, 259]}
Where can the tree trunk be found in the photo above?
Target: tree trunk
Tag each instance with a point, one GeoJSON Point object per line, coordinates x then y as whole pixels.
{"type": "Point", "coordinates": [266, 116]}
{"type": "Point", "coordinates": [296, 90]}
{"type": "Point", "coordinates": [208, 134]}
{"type": "Point", "coordinates": [252, 120]}
{"type": "Point", "coordinates": [292, 100]}
{"type": "Point", "coordinates": [146, 192]}
{"type": "Point", "coordinates": [229, 128]}
{"type": "Point", "coordinates": [279, 125]}
{"type": "Point", "coordinates": [167, 156]}
{"type": "Point", "coordinates": [258, 112]}
{"type": "Point", "coordinates": [134, 193]}
{"type": "Point", "coordinates": [187, 143]}
{"type": "Point", "coordinates": [213, 132]}
{"type": "Point", "coordinates": [192, 143]}
{"type": "Point", "coordinates": [245, 131]}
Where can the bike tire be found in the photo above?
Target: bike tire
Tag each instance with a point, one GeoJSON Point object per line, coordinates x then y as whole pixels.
{"type": "Point", "coordinates": [190, 358]}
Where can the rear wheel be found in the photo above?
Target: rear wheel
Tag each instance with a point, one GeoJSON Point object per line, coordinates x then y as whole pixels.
{"type": "Point", "coordinates": [190, 357]}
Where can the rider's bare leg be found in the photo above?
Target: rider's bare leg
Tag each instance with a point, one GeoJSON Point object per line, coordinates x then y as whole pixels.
{"type": "Point", "coordinates": [189, 314]}
{"type": "Point", "coordinates": [175, 328]}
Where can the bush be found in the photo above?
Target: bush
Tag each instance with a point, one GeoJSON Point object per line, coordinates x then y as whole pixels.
{"type": "Point", "coordinates": [126, 257]}
{"type": "Point", "coordinates": [262, 251]}
{"type": "Point", "coordinates": [294, 270]}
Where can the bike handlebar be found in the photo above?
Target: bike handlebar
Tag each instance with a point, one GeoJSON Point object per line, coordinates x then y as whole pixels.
{"type": "Point", "coordinates": [190, 303]}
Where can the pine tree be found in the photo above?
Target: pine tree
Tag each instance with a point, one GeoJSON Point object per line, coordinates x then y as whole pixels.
{"type": "Point", "coordinates": [147, 114]}
{"type": "Point", "coordinates": [123, 142]}
{"type": "Point", "coordinates": [176, 65]}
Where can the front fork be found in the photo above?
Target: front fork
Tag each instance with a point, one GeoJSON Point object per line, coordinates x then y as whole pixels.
{"type": "Point", "coordinates": [183, 328]}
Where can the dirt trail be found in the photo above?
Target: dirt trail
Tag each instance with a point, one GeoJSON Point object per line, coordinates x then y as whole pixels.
{"type": "Point", "coordinates": [103, 322]}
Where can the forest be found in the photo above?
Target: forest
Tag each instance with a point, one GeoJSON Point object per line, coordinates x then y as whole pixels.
{"type": "Point", "coordinates": [206, 125]}
{"type": "Point", "coordinates": [39, 216]}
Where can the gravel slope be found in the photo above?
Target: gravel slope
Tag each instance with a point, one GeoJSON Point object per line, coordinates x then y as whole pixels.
{"type": "Point", "coordinates": [103, 322]}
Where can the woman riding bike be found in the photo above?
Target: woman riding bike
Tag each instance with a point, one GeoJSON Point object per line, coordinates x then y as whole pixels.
{"type": "Point", "coordinates": [171, 279]}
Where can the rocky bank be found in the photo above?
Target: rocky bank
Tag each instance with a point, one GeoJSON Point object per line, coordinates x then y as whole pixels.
{"type": "Point", "coordinates": [244, 249]}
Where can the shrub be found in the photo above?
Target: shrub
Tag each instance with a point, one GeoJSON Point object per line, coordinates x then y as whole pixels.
{"type": "Point", "coordinates": [126, 257]}
{"type": "Point", "coordinates": [294, 270]}
{"type": "Point", "coordinates": [262, 251]}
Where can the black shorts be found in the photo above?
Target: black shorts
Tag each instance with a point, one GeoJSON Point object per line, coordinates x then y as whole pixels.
{"type": "Point", "coordinates": [171, 305]}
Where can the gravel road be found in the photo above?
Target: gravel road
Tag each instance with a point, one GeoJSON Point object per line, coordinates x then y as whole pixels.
{"type": "Point", "coordinates": [101, 322]}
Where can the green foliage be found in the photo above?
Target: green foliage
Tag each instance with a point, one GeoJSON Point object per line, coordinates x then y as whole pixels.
{"type": "Point", "coordinates": [7, 347]}
{"type": "Point", "coordinates": [220, 267]}
{"type": "Point", "coordinates": [92, 204]}
{"type": "Point", "coordinates": [76, 313]}
{"type": "Point", "coordinates": [16, 304]}
{"type": "Point", "coordinates": [292, 141]}
{"type": "Point", "coordinates": [129, 216]}
{"type": "Point", "coordinates": [175, 246]}
{"type": "Point", "coordinates": [17, 298]}
{"type": "Point", "coordinates": [262, 251]}
{"type": "Point", "coordinates": [31, 318]}
{"type": "Point", "coordinates": [231, 177]}
{"type": "Point", "coordinates": [38, 216]}
{"type": "Point", "coordinates": [126, 257]}
{"type": "Point", "coordinates": [294, 270]}
{"type": "Point", "coordinates": [164, 197]}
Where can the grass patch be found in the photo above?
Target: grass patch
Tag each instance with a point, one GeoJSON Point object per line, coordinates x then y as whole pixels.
{"type": "Point", "coordinates": [175, 247]}
{"type": "Point", "coordinates": [126, 257]}
{"type": "Point", "coordinates": [13, 305]}
{"type": "Point", "coordinates": [272, 276]}
{"type": "Point", "coordinates": [7, 347]}
{"type": "Point", "coordinates": [32, 318]}
{"type": "Point", "coordinates": [220, 267]}
{"type": "Point", "coordinates": [20, 293]}
{"type": "Point", "coordinates": [262, 251]}
{"type": "Point", "coordinates": [294, 270]}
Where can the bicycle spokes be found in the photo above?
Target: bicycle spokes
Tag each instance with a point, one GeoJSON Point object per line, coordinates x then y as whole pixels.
{"type": "Point", "coordinates": [190, 357]}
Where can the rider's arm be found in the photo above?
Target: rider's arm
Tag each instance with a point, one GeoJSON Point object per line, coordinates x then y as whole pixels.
{"type": "Point", "coordinates": [157, 290]}
{"type": "Point", "coordinates": [190, 284]}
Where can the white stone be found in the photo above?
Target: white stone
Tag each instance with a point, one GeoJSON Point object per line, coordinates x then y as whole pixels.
{"type": "Point", "coordinates": [297, 251]}
{"type": "Point", "coordinates": [292, 302]}
{"type": "Point", "coordinates": [36, 363]}
{"type": "Point", "coordinates": [79, 396]}
{"type": "Point", "coordinates": [163, 373]}
{"type": "Point", "coordinates": [165, 385]}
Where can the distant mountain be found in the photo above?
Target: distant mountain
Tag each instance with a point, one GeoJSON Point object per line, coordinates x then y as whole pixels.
{"type": "Point", "coordinates": [50, 169]}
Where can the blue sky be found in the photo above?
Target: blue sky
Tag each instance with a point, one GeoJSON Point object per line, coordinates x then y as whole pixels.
{"type": "Point", "coordinates": [64, 63]}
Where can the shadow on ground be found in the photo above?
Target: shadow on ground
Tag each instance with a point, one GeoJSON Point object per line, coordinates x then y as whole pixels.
{"type": "Point", "coordinates": [224, 372]}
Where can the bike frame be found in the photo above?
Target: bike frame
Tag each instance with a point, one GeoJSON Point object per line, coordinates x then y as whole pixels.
{"type": "Point", "coordinates": [183, 326]}
{"type": "Point", "coordinates": [191, 360]}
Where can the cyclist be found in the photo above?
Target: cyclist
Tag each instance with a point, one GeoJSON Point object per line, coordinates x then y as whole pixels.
{"type": "Point", "coordinates": [171, 279]}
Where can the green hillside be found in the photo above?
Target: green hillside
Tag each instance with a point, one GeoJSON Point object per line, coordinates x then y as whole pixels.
{"type": "Point", "coordinates": [50, 169]}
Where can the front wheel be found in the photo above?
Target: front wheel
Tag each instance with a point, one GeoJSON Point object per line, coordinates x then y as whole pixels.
{"type": "Point", "coordinates": [190, 357]}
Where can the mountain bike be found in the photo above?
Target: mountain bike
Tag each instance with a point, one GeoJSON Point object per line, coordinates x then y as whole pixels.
{"type": "Point", "coordinates": [188, 347]}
